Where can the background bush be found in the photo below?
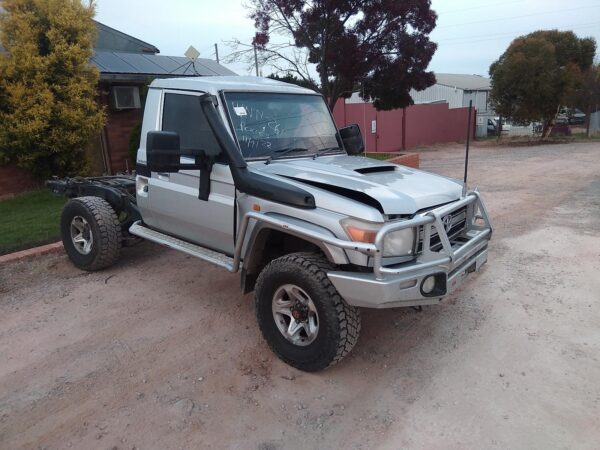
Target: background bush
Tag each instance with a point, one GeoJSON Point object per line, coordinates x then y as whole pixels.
{"type": "Point", "coordinates": [48, 105]}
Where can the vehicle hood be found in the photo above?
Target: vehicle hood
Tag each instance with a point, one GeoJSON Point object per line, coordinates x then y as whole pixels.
{"type": "Point", "coordinates": [390, 188]}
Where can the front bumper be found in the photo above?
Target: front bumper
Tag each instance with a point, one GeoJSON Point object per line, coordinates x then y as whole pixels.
{"type": "Point", "coordinates": [364, 290]}
{"type": "Point", "coordinates": [401, 285]}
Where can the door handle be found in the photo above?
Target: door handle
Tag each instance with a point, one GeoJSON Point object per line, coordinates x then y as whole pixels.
{"type": "Point", "coordinates": [163, 175]}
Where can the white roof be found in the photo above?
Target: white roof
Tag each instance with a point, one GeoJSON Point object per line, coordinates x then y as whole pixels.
{"type": "Point", "coordinates": [463, 81]}
{"type": "Point", "coordinates": [214, 84]}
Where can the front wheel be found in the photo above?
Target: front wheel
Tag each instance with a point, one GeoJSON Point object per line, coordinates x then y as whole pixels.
{"type": "Point", "coordinates": [301, 315]}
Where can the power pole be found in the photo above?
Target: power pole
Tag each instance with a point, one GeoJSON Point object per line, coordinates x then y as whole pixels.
{"type": "Point", "coordinates": [217, 53]}
{"type": "Point", "coordinates": [255, 59]}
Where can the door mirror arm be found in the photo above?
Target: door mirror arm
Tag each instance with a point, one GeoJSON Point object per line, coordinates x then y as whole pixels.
{"type": "Point", "coordinates": [205, 164]}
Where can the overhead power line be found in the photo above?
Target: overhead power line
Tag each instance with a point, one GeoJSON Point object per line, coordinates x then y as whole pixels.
{"type": "Point", "coordinates": [477, 22]}
{"type": "Point", "coordinates": [509, 33]}
{"type": "Point", "coordinates": [513, 35]}
{"type": "Point", "coordinates": [486, 5]}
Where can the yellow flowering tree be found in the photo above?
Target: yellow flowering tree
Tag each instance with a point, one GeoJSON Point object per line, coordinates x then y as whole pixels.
{"type": "Point", "coordinates": [48, 99]}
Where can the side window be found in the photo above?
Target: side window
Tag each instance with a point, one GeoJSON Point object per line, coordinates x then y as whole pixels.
{"type": "Point", "coordinates": [183, 115]}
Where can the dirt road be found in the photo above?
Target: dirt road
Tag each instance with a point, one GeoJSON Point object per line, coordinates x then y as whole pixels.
{"type": "Point", "coordinates": [162, 351]}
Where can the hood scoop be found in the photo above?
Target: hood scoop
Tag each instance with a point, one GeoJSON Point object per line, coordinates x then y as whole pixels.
{"type": "Point", "coordinates": [375, 169]}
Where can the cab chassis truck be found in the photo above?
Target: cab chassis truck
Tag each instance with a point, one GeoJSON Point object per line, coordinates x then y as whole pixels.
{"type": "Point", "coordinates": [252, 175]}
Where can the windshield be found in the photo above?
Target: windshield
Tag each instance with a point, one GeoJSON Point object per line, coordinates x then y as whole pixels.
{"type": "Point", "coordinates": [272, 125]}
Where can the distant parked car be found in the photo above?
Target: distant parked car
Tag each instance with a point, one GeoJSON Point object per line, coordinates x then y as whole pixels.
{"type": "Point", "coordinates": [576, 116]}
{"type": "Point", "coordinates": [506, 124]}
{"type": "Point", "coordinates": [492, 125]}
{"type": "Point", "coordinates": [573, 116]}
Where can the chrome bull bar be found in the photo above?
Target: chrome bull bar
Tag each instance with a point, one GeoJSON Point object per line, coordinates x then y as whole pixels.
{"type": "Point", "coordinates": [428, 220]}
{"type": "Point", "coordinates": [433, 219]}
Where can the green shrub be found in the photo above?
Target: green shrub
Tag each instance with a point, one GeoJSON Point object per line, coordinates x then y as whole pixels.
{"type": "Point", "coordinates": [134, 142]}
{"type": "Point", "coordinates": [48, 89]}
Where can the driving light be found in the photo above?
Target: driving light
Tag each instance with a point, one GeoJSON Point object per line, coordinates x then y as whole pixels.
{"type": "Point", "coordinates": [428, 284]}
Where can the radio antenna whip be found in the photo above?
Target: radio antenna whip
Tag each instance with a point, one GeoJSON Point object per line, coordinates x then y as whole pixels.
{"type": "Point", "coordinates": [467, 152]}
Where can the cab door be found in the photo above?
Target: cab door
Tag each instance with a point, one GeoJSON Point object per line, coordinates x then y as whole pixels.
{"type": "Point", "coordinates": [176, 207]}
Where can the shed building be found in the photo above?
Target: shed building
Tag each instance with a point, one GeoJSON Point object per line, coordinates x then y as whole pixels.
{"type": "Point", "coordinates": [457, 90]}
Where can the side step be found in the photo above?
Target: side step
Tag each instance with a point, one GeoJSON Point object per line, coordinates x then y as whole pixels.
{"type": "Point", "coordinates": [218, 259]}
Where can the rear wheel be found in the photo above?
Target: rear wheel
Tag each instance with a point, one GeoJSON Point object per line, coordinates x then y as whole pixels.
{"type": "Point", "coordinates": [301, 315]}
{"type": "Point", "coordinates": [91, 233]}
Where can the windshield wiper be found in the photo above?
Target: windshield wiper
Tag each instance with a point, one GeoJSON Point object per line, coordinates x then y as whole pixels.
{"type": "Point", "coordinates": [326, 150]}
{"type": "Point", "coordinates": [285, 151]}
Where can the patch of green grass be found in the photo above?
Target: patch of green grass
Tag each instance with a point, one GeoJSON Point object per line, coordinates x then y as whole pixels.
{"type": "Point", "coordinates": [486, 138]}
{"type": "Point", "coordinates": [582, 136]}
{"type": "Point", "coordinates": [28, 220]}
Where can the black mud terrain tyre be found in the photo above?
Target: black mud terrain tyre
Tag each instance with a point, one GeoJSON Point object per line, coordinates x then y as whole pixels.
{"type": "Point", "coordinates": [91, 233]}
{"type": "Point", "coordinates": [301, 315]}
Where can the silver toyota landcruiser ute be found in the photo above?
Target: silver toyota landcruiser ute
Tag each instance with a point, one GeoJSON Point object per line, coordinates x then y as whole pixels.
{"type": "Point", "coordinates": [252, 175]}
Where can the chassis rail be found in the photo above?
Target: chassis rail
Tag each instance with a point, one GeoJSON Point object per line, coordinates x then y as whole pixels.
{"type": "Point", "coordinates": [117, 190]}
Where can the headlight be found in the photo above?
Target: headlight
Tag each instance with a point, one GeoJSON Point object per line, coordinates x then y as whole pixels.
{"type": "Point", "coordinates": [397, 243]}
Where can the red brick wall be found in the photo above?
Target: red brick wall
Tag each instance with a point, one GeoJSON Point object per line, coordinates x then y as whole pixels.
{"type": "Point", "coordinates": [119, 125]}
{"type": "Point", "coordinates": [14, 180]}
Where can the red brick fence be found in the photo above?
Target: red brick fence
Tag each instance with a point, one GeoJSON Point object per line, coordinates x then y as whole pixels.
{"type": "Point", "coordinates": [14, 180]}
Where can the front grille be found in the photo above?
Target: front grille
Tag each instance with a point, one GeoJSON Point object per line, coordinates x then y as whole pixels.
{"type": "Point", "coordinates": [457, 226]}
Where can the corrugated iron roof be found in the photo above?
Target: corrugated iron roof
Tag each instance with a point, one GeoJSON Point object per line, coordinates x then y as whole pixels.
{"type": "Point", "coordinates": [108, 38]}
{"type": "Point", "coordinates": [465, 82]}
{"type": "Point", "coordinates": [111, 64]}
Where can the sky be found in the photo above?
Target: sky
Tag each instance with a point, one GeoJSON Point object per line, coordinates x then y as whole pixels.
{"type": "Point", "coordinates": [471, 34]}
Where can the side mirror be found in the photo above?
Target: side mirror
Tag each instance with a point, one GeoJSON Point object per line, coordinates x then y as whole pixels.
{"type": "Point", "coordinates": [163, 151]}
{"type": "Point", "coordinates": [352, 139]}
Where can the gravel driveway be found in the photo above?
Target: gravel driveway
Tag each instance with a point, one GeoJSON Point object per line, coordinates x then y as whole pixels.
{"type": "Point", "coordinates": [162, 351]}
